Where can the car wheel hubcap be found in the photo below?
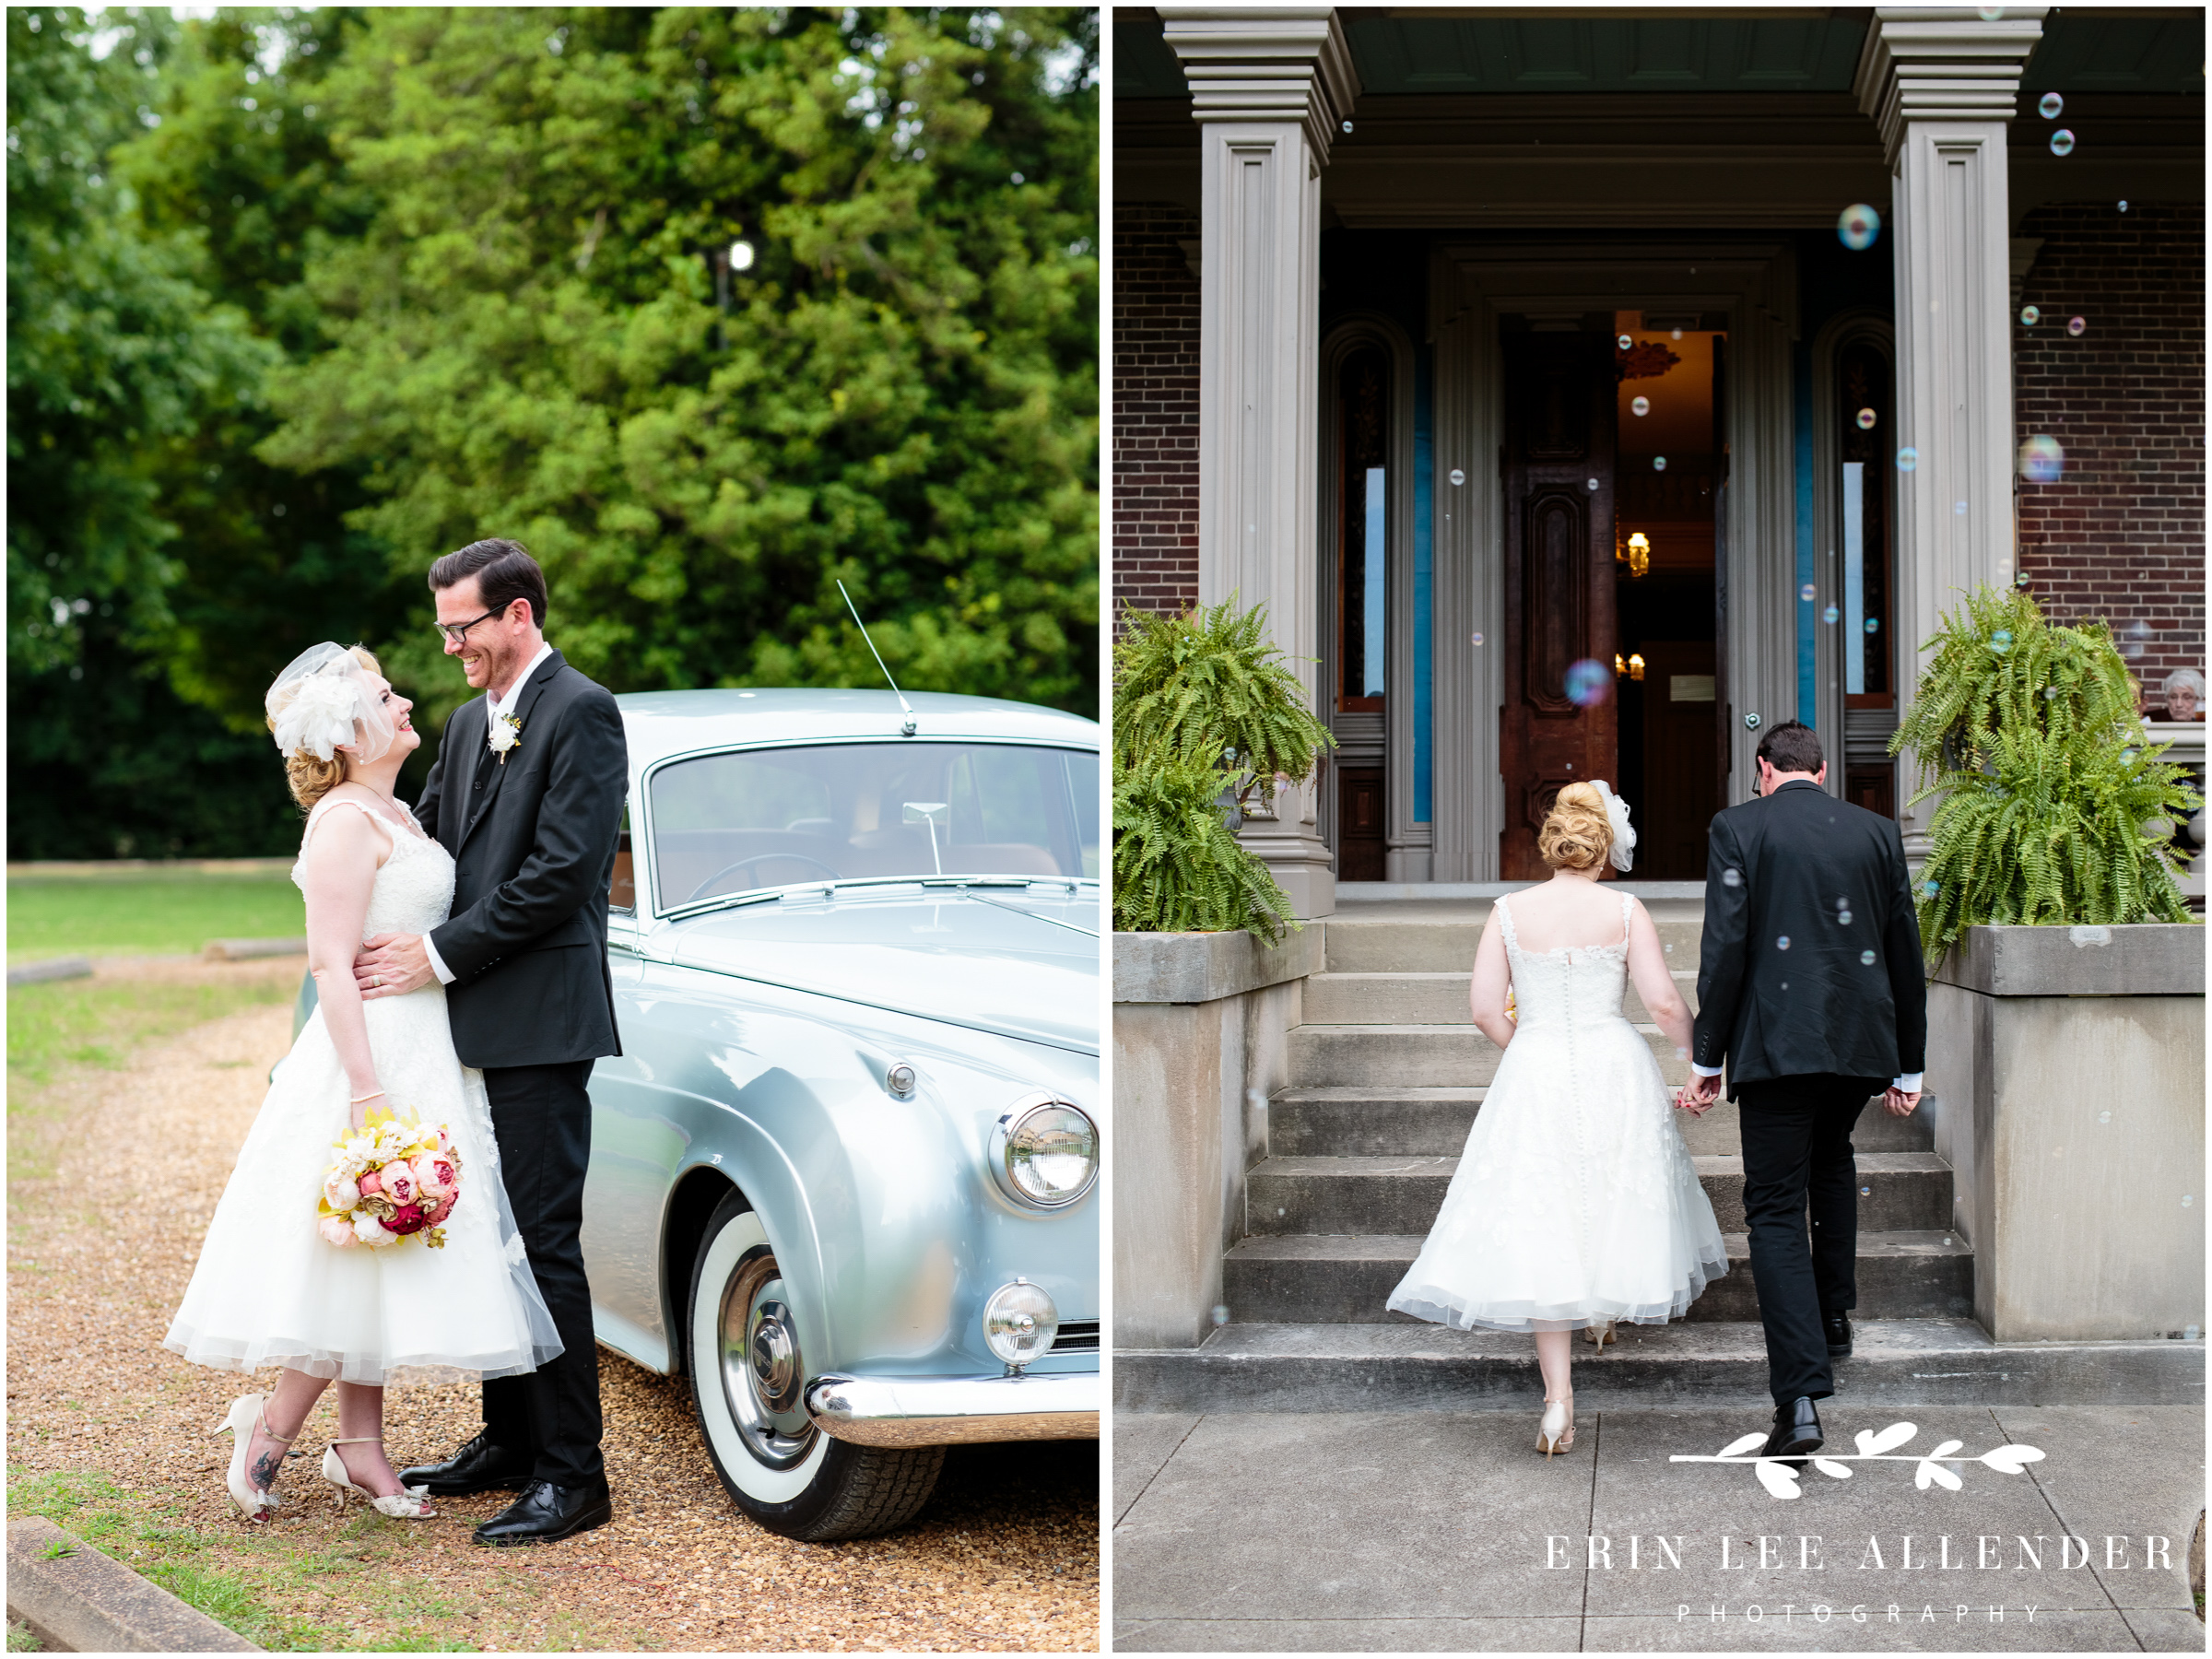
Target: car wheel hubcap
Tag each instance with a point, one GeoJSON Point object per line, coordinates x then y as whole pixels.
{"type": "Point", "coordinates": [762, 1376]}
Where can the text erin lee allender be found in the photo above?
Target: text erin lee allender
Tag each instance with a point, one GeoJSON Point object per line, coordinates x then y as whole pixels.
{"type": "Point", "coordinates": [1908, 1551]}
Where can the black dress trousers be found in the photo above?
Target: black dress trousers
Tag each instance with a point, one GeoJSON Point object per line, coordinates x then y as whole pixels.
{"type": "Point", "coordinates": [542, 1116]}
{"type": "Point", "coordinates": [1796, 1135]}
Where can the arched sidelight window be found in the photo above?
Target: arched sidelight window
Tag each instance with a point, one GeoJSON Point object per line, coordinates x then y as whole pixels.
{"type": "Point", "coordinates": [1857, 652]}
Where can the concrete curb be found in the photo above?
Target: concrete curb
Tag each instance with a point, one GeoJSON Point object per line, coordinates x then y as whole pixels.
{"type": "Point", "coordinates": [240, 951]}
{"type": "Point", "coordinates": [52, 968]}
{"type": "Point", "coordinates": [75, 1599]}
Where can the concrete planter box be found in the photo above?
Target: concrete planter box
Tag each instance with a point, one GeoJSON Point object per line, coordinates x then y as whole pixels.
{"type": "Point", "coordinates": [1200, 1044]}
{"type": "Point", "coordinates": [2067, 1067]}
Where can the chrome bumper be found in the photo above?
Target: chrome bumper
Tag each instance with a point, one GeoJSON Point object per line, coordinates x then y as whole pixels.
{"type": "Point", "coordinates": [946, 1411]}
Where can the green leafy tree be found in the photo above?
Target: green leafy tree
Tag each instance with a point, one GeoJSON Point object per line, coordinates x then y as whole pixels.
{"type": "Point", "coordinates": [529, 337]}
{"type": "Point", "coordinates": [2052, 801]}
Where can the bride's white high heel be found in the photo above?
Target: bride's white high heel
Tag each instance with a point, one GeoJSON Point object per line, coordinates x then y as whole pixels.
{"type": "Point", "coordinates": [1557, 1432]}
{"type": "Point", "coordinates": [245, 1416]}
{"type": "Point", "coordinates": [406, 1504]}
{"type": "Point", "coordinates": [1598, 1336]}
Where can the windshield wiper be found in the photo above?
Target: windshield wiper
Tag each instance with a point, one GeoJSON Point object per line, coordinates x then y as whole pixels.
{"type": "Point", "coordinates": [800, 889]}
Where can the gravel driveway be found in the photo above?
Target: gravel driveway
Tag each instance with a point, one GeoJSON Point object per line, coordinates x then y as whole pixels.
{"type": "Point", "coordinates": [1004, 1557]}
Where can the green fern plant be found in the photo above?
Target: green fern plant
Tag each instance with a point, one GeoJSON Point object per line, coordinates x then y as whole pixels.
{"type": "Point", "coordinates": [2029, 734]}
{"type": "Point", "coordinates": [1206, 713]}
{"type": "Point", "coordinates": [1211, 680]}
{"type": "Point", "coordinates": [1177, 865]}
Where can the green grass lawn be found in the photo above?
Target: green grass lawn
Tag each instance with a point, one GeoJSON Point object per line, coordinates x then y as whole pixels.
{"type": "Point", "coordinates": [145, 912]}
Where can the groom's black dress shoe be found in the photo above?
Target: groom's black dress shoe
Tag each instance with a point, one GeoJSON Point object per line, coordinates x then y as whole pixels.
{"type": "Point", "coordinates": [479, 1467]}
{"type": "Point", "coordinates": [1796, 1430]}
{"type": "Point", "coordinates": [544, 1512]}
{"type": "Point", "coordinates": [1838, 1326]}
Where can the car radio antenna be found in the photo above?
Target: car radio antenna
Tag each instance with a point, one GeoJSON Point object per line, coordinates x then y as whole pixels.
{"type": "Point", "coordinates": [908, 729]}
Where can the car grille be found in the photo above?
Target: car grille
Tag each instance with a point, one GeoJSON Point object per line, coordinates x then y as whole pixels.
{"type": "Point", "coordinates": [1076, 1336]}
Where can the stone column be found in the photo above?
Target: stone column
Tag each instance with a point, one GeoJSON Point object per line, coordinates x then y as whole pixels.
{"type": "Point", "coordinates": [1941, 83]}
{"type": "Point", "coordinates": [1268, 89]}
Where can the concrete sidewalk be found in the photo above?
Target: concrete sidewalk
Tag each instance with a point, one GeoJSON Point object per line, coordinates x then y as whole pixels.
{"type": "Point", "coordinates": [1414, 1531]}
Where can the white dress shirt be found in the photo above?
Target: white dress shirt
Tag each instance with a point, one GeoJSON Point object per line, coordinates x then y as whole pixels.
{"type": "Point", "coordinates": [495, 705]}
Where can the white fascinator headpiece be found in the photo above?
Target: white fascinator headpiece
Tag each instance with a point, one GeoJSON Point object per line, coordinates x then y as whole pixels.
{"type": "Point", "coordinates": [1623, 855]}
{"type": "Point", "coordinates": [325, 697]}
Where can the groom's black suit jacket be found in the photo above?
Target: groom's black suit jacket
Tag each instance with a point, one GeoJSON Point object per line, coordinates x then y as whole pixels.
{"type": "Point", "coordinates": [1803, 860]}
{"type": "Point", "coordinates": [533, 841]}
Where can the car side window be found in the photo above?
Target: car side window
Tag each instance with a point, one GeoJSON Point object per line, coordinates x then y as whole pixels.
{"type": "Point", "coordinates": [623, 892]}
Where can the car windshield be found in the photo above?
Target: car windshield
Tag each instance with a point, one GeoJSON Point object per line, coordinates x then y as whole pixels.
{"type": "Point", "coordinates": [778, 816]}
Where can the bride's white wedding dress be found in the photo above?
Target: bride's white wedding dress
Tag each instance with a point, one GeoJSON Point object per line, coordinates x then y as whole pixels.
{"type": "Point", "coordinates": [270, 1290]}
{"type": "Point", "coordinates": [1575, 1201]}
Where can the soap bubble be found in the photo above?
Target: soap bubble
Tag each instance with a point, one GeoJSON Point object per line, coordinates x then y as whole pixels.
{"type": "Point", "coordinates": [2104, 1117]}
{"type": "Point", "coordinates": [1347, 126]}
{"type": "Point", "coordinates": [1959, 507]}
{"type": "Point", "coordinates": [2030, 316]}
{"type": "Point", "coordinates": [1221, 1309]}
{"type": "Point", "coordinates": [1907, 458]}
{"type": "Point", "coordinates": [1865, 1192]}
{"type": "Point", "coordinates": [1593, 483]}
{"type": "Point", "coordinates": [1866, 420]}
{"type": "Point", "coordinates": [1678, 334]}
{"type": "Point", "coordinates": [2050, 693]}
{"type": "Point", "coordinates": [1641, 405]}
{"type": "Point", "coordinates": [2062, 142]}
{"type": "Point", "coordinates": [1782, 943]}
{"type": "Point", "coordinates": [1624, 342]}
{"type": "Point", "coordinates": [2075, 326]}
{"type": "Point", "coordinates": [1831, 614]}
{"type": "Point", "coordinates": [1589, 683]}
{"type": "Point", "coordinates": [1931, 887]}
{"type": "Point", "coordinates": [2042, 459]}
{"type": "Point", "coordinates": [1658, 463]}
{"type": "Point", "coordinates": [1476, 639]}
{"type": "Point", "coordinates": [1989, 14]}
{"type": "Point", "coordinates": [1731, 879]}
{"type": "Point", "coordinates": [2050, 107]}
{"type": "Point", "coordinates": [2001, 641]}
{"type": "Point", "coordinates": [1858, 226]}
{"type": "Point", "coordinates": [1806, 593]}
{"type": "Point", "coordinates": [1457, 476]}
{"type": "Point", "coordinates": [1873, 625]}
{"type": "Point", "coordinates": [1866, 958]}
{"type": "Point", "coordinates": [2124, 207]}
{"type": "Point", "coordinates": [1843, 918]}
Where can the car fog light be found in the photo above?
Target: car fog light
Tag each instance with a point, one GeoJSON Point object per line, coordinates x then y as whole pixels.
{"type": "Point", "coordinates": [1019, 1323]}
{"type": "Point", "coordinates": [1044, 1152]}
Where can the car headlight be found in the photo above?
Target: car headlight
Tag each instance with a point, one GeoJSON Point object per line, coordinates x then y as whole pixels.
{"type": "Point", "coordinates": [1019, 1323]}
{"type": "Point", "coordinates": [1044, 1152]}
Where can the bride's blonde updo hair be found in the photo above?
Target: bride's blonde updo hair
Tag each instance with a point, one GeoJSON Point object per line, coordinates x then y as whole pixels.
{"type": "Point", "coordinates": [309, 776]}
{"type": "Point", "coordinates": [1577, 835]}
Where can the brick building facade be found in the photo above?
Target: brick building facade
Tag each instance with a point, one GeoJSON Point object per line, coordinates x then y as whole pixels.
{"type": "Point", "coordinates": [1155, 408]}
{"type": "Point", "coordinates": [2120, 534]}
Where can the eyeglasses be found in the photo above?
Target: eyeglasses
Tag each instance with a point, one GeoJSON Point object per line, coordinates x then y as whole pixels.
{"type": "Point", "coordinates": [457, 633]}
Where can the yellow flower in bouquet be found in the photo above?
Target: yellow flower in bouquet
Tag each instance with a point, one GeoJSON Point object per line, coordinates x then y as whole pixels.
{"type": "Point", "coordinates": [393, 1180]}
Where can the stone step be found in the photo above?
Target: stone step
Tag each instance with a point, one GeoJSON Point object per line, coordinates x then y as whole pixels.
{"type": "Point", "coordinates": [1443, 938]}
{"type": "Point", "coordinates": [1428, 998]}
{"type": "Point", "coordinates": [1899, 1192]}
{"type": "Point", "coordinates": [1420, 1056]}
{"type": "Point", "coordinates": [1345, 1278]}
{"type": "Point", "coordinates": [1359, 1369]}
{"type": "Point", "coordinates": [1347, 1120]}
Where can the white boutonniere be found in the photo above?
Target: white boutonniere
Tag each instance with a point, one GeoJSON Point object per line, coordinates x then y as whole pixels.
{"type": "Point", "coordinates": [506, 733]}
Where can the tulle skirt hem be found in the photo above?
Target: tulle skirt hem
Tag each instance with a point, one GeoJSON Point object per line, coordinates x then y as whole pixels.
{"type": "Point", "coordinates": [1438, 1305]}
{"type": "Point", "coordinates": [376, 1369]}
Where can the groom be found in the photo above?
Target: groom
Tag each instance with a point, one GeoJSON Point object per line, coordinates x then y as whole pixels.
{"type": "Point", "coordinates": [1809, 988]}
{"type": "Point", "coordinates": [527, 795]}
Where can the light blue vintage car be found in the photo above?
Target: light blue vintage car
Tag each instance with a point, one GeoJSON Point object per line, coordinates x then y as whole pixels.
{"type": "Point", "coordinates": [843, 1172]}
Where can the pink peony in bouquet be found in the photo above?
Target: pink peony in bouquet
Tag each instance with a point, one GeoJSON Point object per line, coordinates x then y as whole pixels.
{"type": "Point", "coordinates": [392, 1182]}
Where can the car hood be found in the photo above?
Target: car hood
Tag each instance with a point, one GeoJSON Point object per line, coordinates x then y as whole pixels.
{"type": "Point", "coordinates": [1019, 962]}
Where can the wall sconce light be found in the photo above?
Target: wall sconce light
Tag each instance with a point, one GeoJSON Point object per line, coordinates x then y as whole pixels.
{"type": "Point", "coordinates": [1640, 554]}
{"type": "Point", "coordinates": [1635, 666]}
{"type": "Point", "coordinates": [1620, 667]}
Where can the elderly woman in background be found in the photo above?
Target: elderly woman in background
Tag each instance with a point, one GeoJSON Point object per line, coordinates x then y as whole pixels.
{"type": "Point", "coordinates": [2184, 694]}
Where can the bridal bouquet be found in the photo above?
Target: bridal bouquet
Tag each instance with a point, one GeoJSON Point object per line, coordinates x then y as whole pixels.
{"type": "Point", "coordinates": [391, 1180]}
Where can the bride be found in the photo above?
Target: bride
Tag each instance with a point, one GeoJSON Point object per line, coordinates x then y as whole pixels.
{"type": "Point", "coordinates": [271, 1290]}
{"type": "Point", "coordinates": [1575, 1203]}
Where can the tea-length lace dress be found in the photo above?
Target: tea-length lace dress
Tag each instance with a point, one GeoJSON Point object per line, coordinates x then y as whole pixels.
{"type": "Point", "coordinates": [1575, 1200]}
{"type": "Point", "coordinates": [270, 1290]}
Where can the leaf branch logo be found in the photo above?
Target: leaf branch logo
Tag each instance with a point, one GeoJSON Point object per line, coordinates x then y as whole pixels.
{"type": "Point", "coordinates": [1780, 1476]}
